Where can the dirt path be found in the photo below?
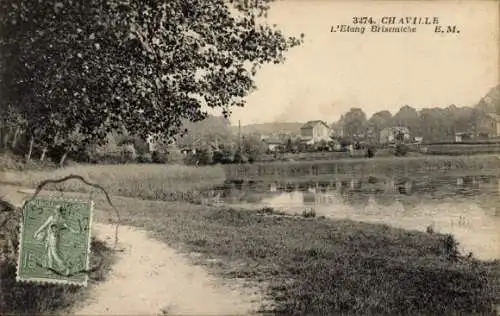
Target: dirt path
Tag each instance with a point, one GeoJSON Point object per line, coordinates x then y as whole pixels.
{"type": "Point", "coordinates": [150, 277]}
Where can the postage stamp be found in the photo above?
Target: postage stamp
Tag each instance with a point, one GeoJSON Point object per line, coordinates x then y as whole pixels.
{"type": "Point", "coordinates": [54, 245]}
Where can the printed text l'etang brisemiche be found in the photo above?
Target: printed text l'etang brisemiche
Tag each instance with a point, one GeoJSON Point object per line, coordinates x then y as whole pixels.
{"type": "Point", "coordinates": [394, 24]}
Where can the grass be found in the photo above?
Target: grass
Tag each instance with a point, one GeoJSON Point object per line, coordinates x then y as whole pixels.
{"type": "Point", "coordinates": [308, 156]}
{"type": "Point", "coordinates": [378, 166]}
{"type": "Point", "coordinates": [320, 266]}
{"type": "Point", "coordinates": [37, 298]}
{"type": "Point", "coordinates": [34, 298]}
{"type": "Point", "coordinates": [144, 181]}
{"type": "Point", "coordinates": [10, 161]}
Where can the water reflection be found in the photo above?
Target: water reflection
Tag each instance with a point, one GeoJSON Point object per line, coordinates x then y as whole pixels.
{"type": "Point", "coordinates": [468, 207]}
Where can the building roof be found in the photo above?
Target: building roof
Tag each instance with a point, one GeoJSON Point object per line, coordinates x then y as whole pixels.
{"type": "Point", "coordinates": [311, 124]}
{"type": "Point", "coordinates": [397, 128]}
{"type": "Point", "coordinates": [494, 116]}
{"type": "Point", "coordinates": [273, 141]}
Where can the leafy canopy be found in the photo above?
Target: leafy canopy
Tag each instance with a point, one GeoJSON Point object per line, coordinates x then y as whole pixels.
{"type": "Point", "coordinates": [94, 66]}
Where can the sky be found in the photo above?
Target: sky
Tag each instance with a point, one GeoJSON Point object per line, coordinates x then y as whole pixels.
{"type": "Point", "coordinates": [333, 71]}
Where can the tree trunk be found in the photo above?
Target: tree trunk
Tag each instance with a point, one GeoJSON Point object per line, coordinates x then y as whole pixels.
{"type": "Point", "coordinates": [14, 140]}
{"type": "Point", "coordinates": [44, 152]}
{"type": "Point", "coordinates": [63, 158]}
{"type": "Point", "coordinates": [6, 137]}
{"type": "Point", "coordinates": [30, 150]}
{"type": "Point", "coordinates": [3, 132]}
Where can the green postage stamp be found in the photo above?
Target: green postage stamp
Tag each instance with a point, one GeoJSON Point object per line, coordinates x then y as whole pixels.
{"type": "Point", "coordinates": [54, 245]}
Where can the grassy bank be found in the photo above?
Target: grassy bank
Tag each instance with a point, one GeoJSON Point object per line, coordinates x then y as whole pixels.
{"type": "Point", "coordinates": [463, 148]}
{"type": "Point", "coordinates": [153, 182]}
{"type": "Point", "coordinates": [320, 266]}
{"type": "Point", "coordinates": [378, 166]}
{"type": "Point", "coordinates": [333, 155]}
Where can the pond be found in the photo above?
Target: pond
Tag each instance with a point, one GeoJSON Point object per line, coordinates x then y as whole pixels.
{"type": "Point", "coordinates": [467, 207]}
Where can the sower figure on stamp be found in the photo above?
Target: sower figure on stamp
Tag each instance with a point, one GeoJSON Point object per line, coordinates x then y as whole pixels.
{"type": "Point", "coordinates": [50, 232]}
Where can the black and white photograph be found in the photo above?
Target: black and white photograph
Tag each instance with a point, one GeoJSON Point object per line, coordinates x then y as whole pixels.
{"type": "Point", "coordinates": [249, 157]}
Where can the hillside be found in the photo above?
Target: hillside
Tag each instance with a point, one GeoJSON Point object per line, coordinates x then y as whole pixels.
{"type": "Point", "coordinates": [292, 128]}
{"type": "Point", "coordinates": [491, 101]}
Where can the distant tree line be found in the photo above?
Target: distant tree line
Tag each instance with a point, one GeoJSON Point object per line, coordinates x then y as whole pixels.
{"type": "Point", "coordinates": [433, 124]}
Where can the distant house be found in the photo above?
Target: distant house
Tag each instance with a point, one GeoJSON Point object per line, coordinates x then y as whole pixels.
{"type": "Point", "coordinates": [489, 125]}
{"type": "Point", "coordinates": [418, 139]}
{"type": "Point", "coordinates": [273, 144]}
{"type": "Point", "coordinates": [390, 134]}
{"type": "Point", "coordinates": [315, 131]}
{"type": "Point", "coordinates": [459, 137]}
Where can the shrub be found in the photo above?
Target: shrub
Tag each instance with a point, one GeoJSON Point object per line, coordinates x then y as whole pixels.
{"type": "Point", "coordinates": [227, 154]}
{"type": "Point", "coordinates": [223, 156]}
{"type": "Point", "coordinates": [253, 148]}
{"type": "Point", "coordinates": [401, 150]}
{"type": "Point", "coordinates": [217, 157]}
{"type": "Point", "coordinates": [204, 156]}
{"type": "Point", "coordinates": [145, 158]}
{"type": "Point", "coordinates": [370, 152]}
{"type": "Point", "coordinates": [270, 211]}
{"type": "Point", "coordinates": [344, 142]}
{"type": "Point", "coordinates": [159, 157]}
{"type": "Point", "coordinates": [190, 159]}
{"type": "Point", "coordinates": [140, 146]}
{"type": "Point", "coordinates": [128, 152]}
{"type": "Point", "coordinates": [309, 212]}
{"type": "Point", "coordinates": [240, 157]}
{"type": "Point", "coordinates": [175, 157]}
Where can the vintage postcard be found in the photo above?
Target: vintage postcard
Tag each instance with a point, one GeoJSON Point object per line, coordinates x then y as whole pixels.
{"type": "Point", "coordinates": [269, 157]}
{"type": "Point", "coordinates": [55, 241]}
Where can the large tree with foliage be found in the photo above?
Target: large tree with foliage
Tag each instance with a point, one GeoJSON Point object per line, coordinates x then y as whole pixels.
{"type": "Point", "coordinates": [491, 101]}
{"type": "Point", "coordinates": [353, 122]}
{"type": "Point", "coordinates": [95, 66]}
{"type": "Point", "coordinates": [407, 116]}
{"type": "Point", "coordinates": [379, 121]}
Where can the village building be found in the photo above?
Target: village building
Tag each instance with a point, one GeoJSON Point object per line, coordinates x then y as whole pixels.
{"type": "Point", "coordinates": [273, 144]}
{"type": "Point", "coordinates": [461, 136]}
{"type": "Point", "coordinates": [315, 131]}
{"type": "Point", "coordinates": [389, 135]}
{"type": "Point", "coordinates": [489, 125]}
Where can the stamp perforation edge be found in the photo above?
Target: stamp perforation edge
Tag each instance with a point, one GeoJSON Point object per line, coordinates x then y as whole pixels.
{"type": "Point", "coordinates": [20, 240]}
